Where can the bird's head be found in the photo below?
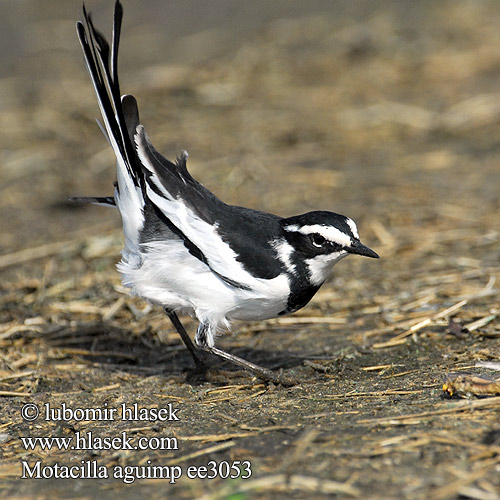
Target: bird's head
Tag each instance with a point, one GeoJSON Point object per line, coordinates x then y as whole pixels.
{"type": "Point", "coordinates": [321, 239]}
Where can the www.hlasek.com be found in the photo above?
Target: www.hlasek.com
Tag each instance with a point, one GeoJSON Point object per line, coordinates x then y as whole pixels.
{"type": "Point", "coordinates": [91, 469]}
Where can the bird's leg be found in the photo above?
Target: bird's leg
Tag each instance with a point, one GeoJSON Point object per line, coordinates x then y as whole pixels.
{"type": "Point", "coordinates": [185, 337]}
{"type": "Point", "coordinates": [202, 342]}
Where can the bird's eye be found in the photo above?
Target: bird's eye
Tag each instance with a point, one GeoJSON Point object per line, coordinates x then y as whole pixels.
{"type": "Point", "coordinates": [317, 240]}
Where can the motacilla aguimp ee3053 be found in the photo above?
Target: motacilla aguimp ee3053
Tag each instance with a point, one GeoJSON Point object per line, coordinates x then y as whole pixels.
{"type": "Point", "coordinates": [188, 251]}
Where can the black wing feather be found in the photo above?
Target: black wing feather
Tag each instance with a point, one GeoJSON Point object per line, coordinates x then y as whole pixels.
{"type": "Point", "coordinates": [93, 200]}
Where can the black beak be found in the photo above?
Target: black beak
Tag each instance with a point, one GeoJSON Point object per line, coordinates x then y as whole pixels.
{"type": "Point", "coordinates": [359, 249]}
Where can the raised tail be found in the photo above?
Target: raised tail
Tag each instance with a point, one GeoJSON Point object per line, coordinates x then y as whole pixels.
{"type": "Point", "coordinates": [121, 118]}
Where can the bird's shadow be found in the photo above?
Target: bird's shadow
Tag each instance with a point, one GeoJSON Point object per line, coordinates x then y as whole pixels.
{"type": "Point", "coordinates": [119, 349]}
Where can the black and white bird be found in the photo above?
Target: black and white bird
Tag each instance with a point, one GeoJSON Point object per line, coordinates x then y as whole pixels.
{"type": "Point", "coordinates": [188, 251]}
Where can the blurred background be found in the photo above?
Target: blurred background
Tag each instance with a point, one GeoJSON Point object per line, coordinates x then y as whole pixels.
{"type": "Point", "coordinates": [385, 111]}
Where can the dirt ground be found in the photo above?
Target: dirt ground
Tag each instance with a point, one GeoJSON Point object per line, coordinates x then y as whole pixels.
{"type": "Point", "coordinates": [386, 112]}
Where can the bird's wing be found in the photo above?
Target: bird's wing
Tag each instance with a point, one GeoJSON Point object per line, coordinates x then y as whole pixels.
{"type": "Point", "coordinates": [192, 209]}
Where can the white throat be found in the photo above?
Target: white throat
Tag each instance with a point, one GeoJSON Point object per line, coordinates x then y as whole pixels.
{"type": "Point", "coordinates": [321, 266]}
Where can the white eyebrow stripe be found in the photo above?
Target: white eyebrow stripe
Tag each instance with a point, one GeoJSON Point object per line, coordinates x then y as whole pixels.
{"type": "Point", "coordinates": [328, 232]}
{"type": "Point", "coordinates": [353, 227]}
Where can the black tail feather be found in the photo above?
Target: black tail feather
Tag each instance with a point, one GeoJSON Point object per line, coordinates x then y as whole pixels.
{"type": "Point", "coordinates": [117, 27]}
{"type": "Point", "coordinates": [102, 64]}
{"type": "Point", "coordinates": [107, 201]}
{"type": "Point", "coordinates": [131, 115]}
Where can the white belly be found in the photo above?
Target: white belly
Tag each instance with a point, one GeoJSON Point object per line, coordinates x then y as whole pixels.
{"type": "Point", "coordinates": [172, 277]}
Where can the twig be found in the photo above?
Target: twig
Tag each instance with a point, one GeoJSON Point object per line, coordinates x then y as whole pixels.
{"type": "Point", "coordinates": [461, 406]}
{"type": "Point", "coordinates": [204, 451]}
{"type": "Point", "coordinates": [401, 338]}
{"type": "Point", "coordinates": [15, 394]}
{"type": "Point", "coordinates": [47, 250]}
{"type": "Point", "coordinates": [18, 328]}
{"type": "Point", "coordinates": [480, 322]}
{"type": "Point", "coordinates": [389, 392]}
{"type": "Point", "coordinates": [285, 482]}
{"type": "Point", "coordinates": [107, 387]}
{"type": "Point", "coordinates": [491, 365]}
{"type": "Point", "coordinates": [110, 313]}
{"type": "Point", "coordinates": [377, 367]}
{"type": "Point", "coordinates": [17, 375]}
{"type": "Point", "coordinates": [451, 489]}
{"type": "Point", "coordinates": [301, 445]}
{"type": "Point", "coordinates": [225, 437]}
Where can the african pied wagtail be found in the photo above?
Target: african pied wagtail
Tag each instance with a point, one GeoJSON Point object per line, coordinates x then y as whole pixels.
{"type": "Point", "coordinates": [188, 251]}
